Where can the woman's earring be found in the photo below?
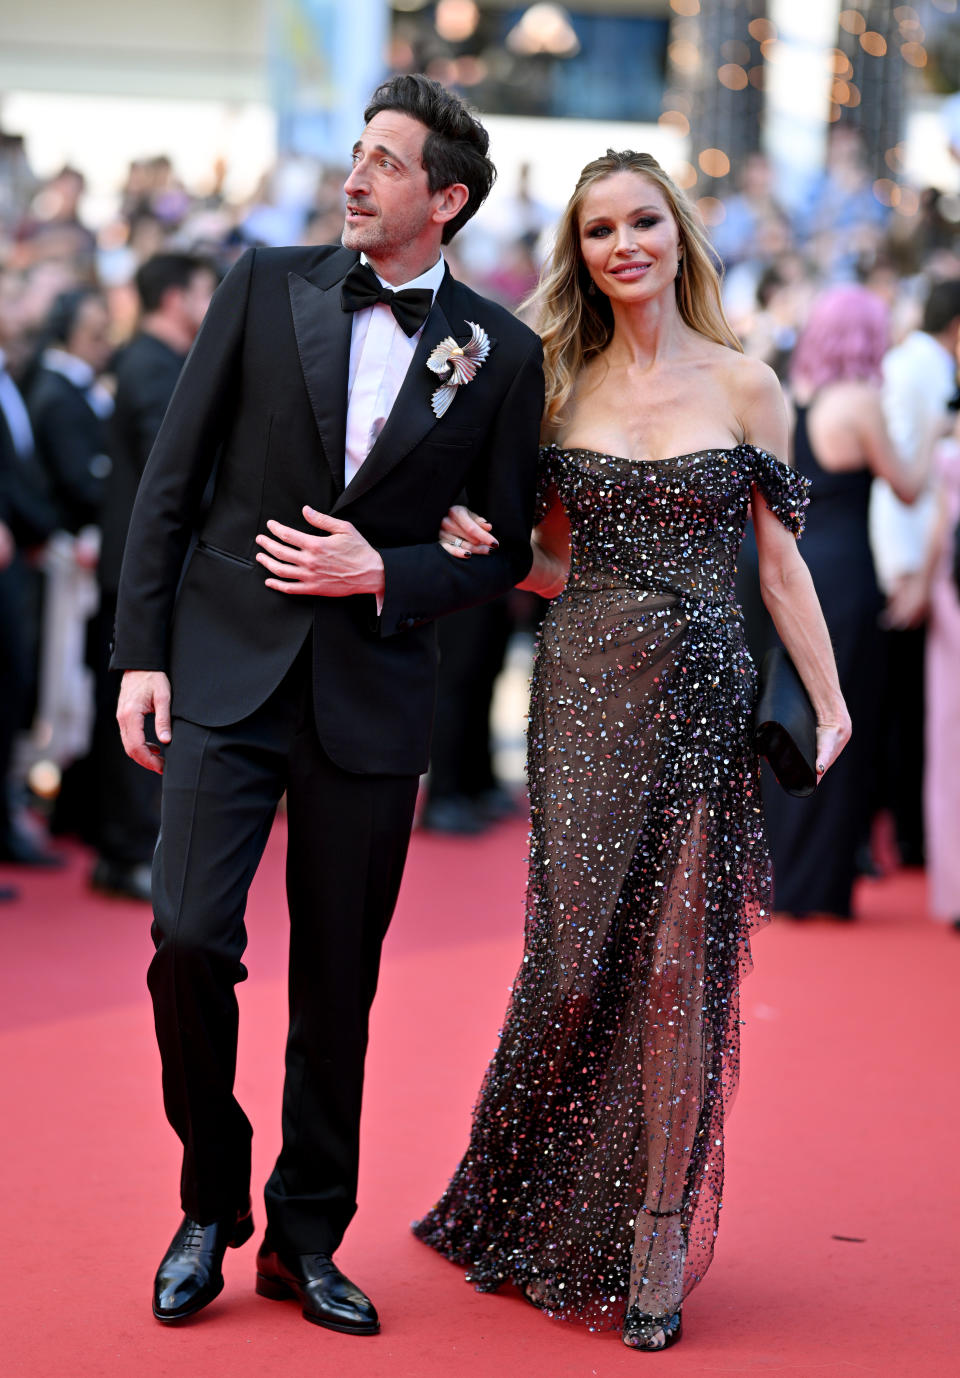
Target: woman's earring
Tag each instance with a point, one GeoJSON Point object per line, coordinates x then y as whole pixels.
{"type": "Point", "coordinates": [679, 266]}
{"type": "Point", "coordinates": [592, 289]}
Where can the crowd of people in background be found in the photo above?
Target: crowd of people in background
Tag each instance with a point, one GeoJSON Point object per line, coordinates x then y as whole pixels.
{"type": "Point", "coordinates": [854, 304]}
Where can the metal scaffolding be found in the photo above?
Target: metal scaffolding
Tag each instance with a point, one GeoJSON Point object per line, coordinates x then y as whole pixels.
{"type": "Point", "coordinates": [716, 84]}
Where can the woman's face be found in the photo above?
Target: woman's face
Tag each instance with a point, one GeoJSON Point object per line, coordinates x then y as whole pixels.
{"type": "Point", "coordinates": [628, 238]}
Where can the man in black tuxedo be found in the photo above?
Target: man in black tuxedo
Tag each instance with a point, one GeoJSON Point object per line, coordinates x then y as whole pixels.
{"type": "Point", "coordinates": [293, 649]}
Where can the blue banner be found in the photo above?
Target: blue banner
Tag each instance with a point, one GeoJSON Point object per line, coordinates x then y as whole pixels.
{"type": "Point", "coordinates": [326, 57]}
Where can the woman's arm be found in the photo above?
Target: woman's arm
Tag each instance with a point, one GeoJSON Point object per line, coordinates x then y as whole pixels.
{"type": "Point", "coordinates": [463, 533]}
{"type": "Point", "coordinates": [791, 600]}
{"type": "Point", "coordinates": [551, 553]}
{"type": "Point", "coordinates": [785, 582]}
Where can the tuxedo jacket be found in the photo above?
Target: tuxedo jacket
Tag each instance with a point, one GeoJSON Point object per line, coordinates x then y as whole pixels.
{"type": "Point", "coordinates": [261, 405]}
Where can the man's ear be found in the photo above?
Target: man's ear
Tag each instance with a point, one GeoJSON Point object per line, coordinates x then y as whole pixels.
{"type": "Point", "coordinates": [451, 202]}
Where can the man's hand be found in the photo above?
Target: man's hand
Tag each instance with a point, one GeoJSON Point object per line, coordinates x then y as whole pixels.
{"type": "Point", "coordinates": [143, 692]}
{"type": "Point", "coordinates": [332, 566]}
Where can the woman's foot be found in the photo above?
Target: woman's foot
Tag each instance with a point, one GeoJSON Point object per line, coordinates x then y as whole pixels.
{"type": "Point", "coordinates": [650, 1333]}
{"type": "Point", "coordinates": [542, 1293]}
{"type": "Point", "coordinates": [653, 1320]}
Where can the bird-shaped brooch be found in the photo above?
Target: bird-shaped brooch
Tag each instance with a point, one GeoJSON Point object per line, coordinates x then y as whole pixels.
{"type": "Point", "coordinates": [456, 365]}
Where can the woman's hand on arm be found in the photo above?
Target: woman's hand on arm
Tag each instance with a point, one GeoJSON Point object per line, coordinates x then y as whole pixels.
{"type": "Point", "coordinates": [464, 533]}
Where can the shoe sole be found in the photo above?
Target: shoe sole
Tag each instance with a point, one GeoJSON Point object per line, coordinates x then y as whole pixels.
{"type": "Point", "coordinates": [275, 1290]}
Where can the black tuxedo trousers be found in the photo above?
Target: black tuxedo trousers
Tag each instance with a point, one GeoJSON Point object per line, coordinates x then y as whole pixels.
{"type": "Point", "coordinates": [347, 843]}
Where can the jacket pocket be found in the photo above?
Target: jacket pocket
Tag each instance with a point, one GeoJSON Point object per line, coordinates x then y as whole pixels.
{"type": "Point", "coordinates": [206, 549]}
{"type": "Point", "coordinates": [452, 438]}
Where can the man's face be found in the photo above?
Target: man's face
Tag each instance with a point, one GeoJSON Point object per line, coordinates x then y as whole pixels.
{"type": "Point", "coordinates": [389, 204]}
{"type": "Point", "coordinates": [195, 298]}
{"type": "Point", "coordinates": [90, 336]}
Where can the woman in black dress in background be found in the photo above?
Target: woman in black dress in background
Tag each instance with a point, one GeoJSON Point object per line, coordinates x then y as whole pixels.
{"type": "Point", "coordinates": [840, 444]}
{"type": "Point", "coordinates": [594, 1171]}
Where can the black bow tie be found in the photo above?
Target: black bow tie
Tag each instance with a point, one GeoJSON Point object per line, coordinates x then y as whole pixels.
{"type": "Point", "coordinates": [361, 287]}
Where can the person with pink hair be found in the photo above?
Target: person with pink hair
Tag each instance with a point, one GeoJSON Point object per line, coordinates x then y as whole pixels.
{"type": "Point", "coordinates": [840, 444]}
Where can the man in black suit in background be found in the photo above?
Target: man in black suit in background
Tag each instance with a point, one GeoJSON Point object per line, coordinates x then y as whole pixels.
{"type": "Point", "coordinates": [174, 291]}
{"type": "Point", "coordinates": [298, 646]}
{"type": "Point", "coordinates": [68, 407]}
{"type": "Point", "coordinates": [27, 518]}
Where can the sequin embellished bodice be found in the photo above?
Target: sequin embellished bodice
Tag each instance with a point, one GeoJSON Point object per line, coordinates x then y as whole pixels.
{"type": "Point", "coordinates": [670, 525]}
{"type": "Point", "coordinates": [595, 1167]}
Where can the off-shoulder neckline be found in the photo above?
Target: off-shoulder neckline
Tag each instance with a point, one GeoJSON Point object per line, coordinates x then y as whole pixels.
{"type": "Point", "coordinates": [667, 459]}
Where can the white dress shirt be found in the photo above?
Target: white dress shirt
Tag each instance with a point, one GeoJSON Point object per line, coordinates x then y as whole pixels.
{"type": "Point", "coordinates": [919, 379]}
{"type": "Point", "coordinates": [380, 355]}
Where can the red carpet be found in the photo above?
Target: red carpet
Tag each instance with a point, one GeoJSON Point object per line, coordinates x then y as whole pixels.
{"type": "Point", "coordinates": [837, 1255]}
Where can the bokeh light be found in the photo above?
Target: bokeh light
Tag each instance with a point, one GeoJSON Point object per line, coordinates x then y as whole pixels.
{"type": "Point", "coordinates": [714, 162]}
{"type": "Point", "coordinates": [873, 43]}
{"type": "Point", "coordinates": [853, 21]}
{"type": "Point", "coordinates": [732, 76]}
{"type": "Point", "coordinates": [456, 20]}
{"type": "Point", "coordinates": [712, 211]}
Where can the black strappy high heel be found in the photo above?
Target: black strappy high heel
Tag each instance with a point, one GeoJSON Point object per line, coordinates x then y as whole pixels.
{"type": "Point", "coordinates": [651, 1333]}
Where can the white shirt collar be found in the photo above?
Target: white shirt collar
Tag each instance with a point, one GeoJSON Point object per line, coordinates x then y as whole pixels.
{"type": "Point", "coordinates": [431, 279]}
{"type": "Point", "coordinates": [80, 374]}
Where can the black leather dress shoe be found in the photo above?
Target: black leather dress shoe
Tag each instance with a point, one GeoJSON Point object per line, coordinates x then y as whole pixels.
{"type": "Point", "coordinates": [314, 1280]}
{"type": "Point", "coordinates": [121, 882]}
{"type": "Point", "coordinates": [191, 1273]}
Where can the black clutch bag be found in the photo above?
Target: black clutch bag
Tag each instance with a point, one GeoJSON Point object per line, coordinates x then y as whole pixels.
{"type": "Point", "coordinates": [785, 725]}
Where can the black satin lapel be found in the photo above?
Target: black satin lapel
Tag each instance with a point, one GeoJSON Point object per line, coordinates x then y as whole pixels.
{"type": "Point", "coordinates": [411, 416]}
{"type": "Point", "coordinates": [323, 332]}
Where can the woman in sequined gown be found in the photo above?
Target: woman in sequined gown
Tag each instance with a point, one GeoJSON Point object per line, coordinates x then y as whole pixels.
{"type": "Point", "coordinates": [593, 1175]}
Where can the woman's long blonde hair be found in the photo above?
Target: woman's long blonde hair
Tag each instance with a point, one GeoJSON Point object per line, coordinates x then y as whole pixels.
{"type": "Point", "coordinates": [576, 324]}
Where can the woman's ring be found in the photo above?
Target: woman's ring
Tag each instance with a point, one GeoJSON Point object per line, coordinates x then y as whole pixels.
{"type": "Point", "coordinates": [457, 541]}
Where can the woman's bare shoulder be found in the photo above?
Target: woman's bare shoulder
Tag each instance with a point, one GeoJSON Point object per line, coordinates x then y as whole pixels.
{"type": "Point", "coordinates": [749, 380]}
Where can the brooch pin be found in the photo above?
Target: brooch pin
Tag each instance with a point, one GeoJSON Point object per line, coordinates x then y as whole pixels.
{"type": "Point", "coordinates": [456, 365]}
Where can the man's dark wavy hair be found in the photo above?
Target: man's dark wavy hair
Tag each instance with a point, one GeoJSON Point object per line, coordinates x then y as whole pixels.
{"type": "Point", "coordinates": [159, 274]}
{"type": "Point", "coordinates": [455, 150]}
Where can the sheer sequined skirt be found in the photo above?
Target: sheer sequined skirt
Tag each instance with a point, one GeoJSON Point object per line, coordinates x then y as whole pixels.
{"type": "Point", "coordinates": [595, 1164]}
